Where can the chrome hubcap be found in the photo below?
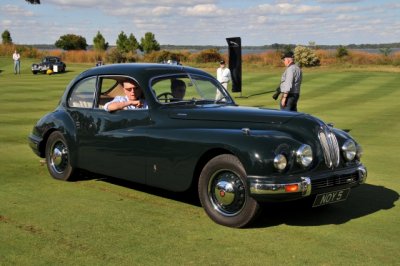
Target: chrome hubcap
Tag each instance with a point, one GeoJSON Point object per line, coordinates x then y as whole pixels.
{"type": "Point", "coordinates": [227, 193]}
{"type": "Point", "coordinates": [59, 157]}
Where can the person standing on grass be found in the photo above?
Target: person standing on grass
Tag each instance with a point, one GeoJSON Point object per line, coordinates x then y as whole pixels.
{"type": "Point", "coordinates": [17, 65]}
{"type": "Point", "coordinates": [290, 83]}
{"type": "Point", "coordinates": [223, 74]}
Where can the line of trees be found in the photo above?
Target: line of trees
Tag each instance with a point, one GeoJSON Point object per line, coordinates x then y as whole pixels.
{"type": "Point", "coordinates": [125, 44]}
{"type": "Point", "coordinates": [126, 48]}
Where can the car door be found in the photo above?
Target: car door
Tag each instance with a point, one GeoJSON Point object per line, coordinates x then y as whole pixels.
{"type": "Point", "coordinates": [114, 143]}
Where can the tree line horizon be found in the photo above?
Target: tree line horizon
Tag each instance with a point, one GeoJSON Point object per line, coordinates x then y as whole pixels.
{"type": "Point", "coordinates": [129, 49]}
{"type": "Point", "coordinates": [275, 46]}
{"type": "Point", "coordinates": [149, 43]}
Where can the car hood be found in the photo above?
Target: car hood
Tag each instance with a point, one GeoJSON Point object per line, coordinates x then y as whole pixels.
{"type": "Point", "coordinates": [233, 113]}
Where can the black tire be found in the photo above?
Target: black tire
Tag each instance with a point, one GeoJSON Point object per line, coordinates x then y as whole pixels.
{"type": "Point", "coordinates": [224, 194]}
{"type": "Point", "coordinates": [58, 158]}
{"type": "Point", "coordinates": [34, 72]}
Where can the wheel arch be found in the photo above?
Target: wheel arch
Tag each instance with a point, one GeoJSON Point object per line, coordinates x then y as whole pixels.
{"type": "Point", "coordinates": [203, 160]}
{"type": "Point", "coordinates": [42, 145]}
{"type": "Point", "coordinates": [62, 123]}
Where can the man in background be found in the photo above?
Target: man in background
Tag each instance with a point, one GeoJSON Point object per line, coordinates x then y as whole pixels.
{"type": "Point", "coordinates": [223, 74]}
{"type": "Point", "coordinates": [17, 65]}
{"type": "Point", "coordinates": [290, 83]}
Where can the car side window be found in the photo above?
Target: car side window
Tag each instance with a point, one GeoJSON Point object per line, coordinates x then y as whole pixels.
{"type": "Point", "coordinates": [181, 88]}
{"type": "Point", "coordinates": [109, 88]}
{"type": "Point", "coordinates": [83, 94]}
{"type": "Point", "coordinates": [173, 89]}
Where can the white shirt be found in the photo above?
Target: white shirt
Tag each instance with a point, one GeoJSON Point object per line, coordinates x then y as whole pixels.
{"type": "Point", "coordinates": [16, 56]}
{"type": "Point", "coordinates": [120, 99]}
{"type": "Point", "coordinates": [223, 74]}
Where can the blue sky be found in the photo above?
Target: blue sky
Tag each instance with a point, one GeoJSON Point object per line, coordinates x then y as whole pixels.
{"type": "Point", "coordinates": [206, 22]}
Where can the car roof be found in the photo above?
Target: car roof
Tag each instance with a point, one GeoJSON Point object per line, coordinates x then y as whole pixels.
{"type": "Point", "coordinates": [143, 70]}
{"type": "Point", "coordinates": [142, 73]}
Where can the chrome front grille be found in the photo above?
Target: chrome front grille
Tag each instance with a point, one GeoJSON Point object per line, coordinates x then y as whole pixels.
{"type": "Point", "coordinates": [330, 147]}
{"type": "Point", "coordinates": [334, 181]}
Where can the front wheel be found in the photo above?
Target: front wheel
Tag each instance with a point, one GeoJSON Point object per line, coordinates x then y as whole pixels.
{"type": "Point", "coordinates": [58, 158]}
{"type": "Point", "coordinates": [224, 194]}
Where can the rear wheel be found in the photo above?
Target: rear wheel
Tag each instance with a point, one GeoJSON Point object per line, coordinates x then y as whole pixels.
{"type": "Point", "coordinates": [224, 194]}
{"type": "Point", "coordinates": [58, 157]}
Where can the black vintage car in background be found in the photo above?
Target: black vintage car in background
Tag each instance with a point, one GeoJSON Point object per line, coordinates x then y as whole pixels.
{"type": "Point", "coordinates": [52, 63]}
{"type": "Point", "coordinates": [236, 157]}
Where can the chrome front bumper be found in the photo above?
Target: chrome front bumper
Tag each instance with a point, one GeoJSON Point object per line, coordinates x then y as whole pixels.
{"type": "Point", "coordinates": [303, 187]}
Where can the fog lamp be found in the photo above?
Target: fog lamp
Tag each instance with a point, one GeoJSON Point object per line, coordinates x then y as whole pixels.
{"type": "Point", "coordinates": [280, 162]}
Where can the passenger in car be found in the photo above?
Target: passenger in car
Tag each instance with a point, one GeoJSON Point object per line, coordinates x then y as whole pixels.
{"type": "Point", "coordinates": [133, 98]}
{"type": "Point", "coordinates": [178, 89]}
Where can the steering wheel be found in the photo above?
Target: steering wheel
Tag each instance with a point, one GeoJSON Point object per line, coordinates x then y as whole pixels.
{"type": "Point", "coordinates": [166, 97]}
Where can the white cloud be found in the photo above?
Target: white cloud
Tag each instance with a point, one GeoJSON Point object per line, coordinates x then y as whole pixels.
{"type": "Point", "coordinates": [347, 17]}
{"type": "Point", "coordinates": [206, 22]}
{"type": "Point", "coordinates": [288, 9]}
{"type": "Point", "coordinates": [6, 22]}
{"type": "Point", "coordinates": [14, 10]}
{"type": "Point", "coordinates": [203, 10]}
{"type": "Point", "coordinates": [162, 10]}
{"type": "Point", "coordinates": [339, 1]}
{"type": "Point", "coordinates": [262, 19]}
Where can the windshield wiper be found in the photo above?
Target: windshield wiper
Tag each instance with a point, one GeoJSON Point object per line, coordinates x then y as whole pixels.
{"type": "Point", "coordinates": [220, 100]}
{"type": "Point", "coordinates": [200, 101]}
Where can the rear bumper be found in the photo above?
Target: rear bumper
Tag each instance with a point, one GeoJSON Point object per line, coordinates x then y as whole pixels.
{"type": "Point", "coordinates": [273, 189]}
{"type": "Point", "coordinates": [40, 68]}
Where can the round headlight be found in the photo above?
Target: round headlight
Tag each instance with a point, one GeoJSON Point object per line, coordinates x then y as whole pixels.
{"type": "Point", "coordinates": [280, 162]}
{"type": "Point", "coordinates": [304, 155]}
{"type": "Point", "coordinates": [349, 150]}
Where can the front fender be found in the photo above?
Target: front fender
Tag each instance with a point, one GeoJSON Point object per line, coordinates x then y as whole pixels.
{"type": "Point", "coordinates": [61, 121]}
{"type": "Point", "coordinates": [255, 149]}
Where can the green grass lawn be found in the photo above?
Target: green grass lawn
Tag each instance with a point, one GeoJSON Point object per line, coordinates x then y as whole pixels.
{"type": "Point", "coordinates": [104, 222]}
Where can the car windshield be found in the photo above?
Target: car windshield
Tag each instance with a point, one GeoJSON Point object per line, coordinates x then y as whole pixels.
{"type": "Point", "coordinates": [50, 59]}
{"type": "Point", "coordinates": [189, 89]}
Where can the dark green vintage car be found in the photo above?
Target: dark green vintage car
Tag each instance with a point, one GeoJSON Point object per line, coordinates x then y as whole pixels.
{"type": "Point", "coordinates": [236, 157]}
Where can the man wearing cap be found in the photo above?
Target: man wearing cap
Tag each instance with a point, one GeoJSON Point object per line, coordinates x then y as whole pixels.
{"type": "Point", "coordinates": [223, 74]}
{"type": "Point", "coordinates": [290, 83]}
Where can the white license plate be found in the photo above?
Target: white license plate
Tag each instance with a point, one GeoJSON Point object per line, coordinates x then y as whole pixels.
{"type": "Point", "coordinates": [331, 197]}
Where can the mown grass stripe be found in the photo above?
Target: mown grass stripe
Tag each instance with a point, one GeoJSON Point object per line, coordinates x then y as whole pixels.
{"type": "Point", "coordinates": [99, 222]}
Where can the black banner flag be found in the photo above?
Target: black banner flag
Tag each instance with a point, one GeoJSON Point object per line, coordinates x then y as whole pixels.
{"type": "Point", "coordinates": [235, 62]}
